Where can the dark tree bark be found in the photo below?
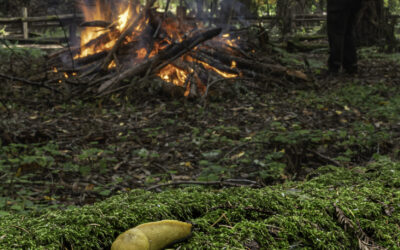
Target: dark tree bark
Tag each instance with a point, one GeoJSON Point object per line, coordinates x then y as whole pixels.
{"type": "Point", "coordinates": [374, 25]}
{"type": "Point", "coordinates": [320, 6]}
{"type": "Point", "coordinates": [200, 8]}
{"type": "Point", "coordinates": [285, 14]}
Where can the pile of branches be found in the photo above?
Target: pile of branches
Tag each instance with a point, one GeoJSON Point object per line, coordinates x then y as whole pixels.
{"type": "Point", "coordinates": [199, 52]}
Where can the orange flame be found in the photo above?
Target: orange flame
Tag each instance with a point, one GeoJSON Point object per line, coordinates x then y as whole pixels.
{"type": "Point", "coordinates": [222, 73]}
{"type": "Point", "coordinates": [173, 75]}
{"type": "Point", "coordinates": [112, 65]}
{"type": "Point", "coordinates": [141, 53]}
{"type": "Point", "coordinates": [208, 66]}
{"type": "Point", "coordinates": [123, 19]}
{"type": "Point", "coordinates": [225, 38]}
{"type": "Point", "coordinates": [90, 33]}
{"type": "Point", "coordinates": [233, 65]}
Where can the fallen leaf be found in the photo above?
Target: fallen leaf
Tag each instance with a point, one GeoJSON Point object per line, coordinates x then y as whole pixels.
{"type": "Point", "coordinates": [181, 178]}
{"type": "Point", "coordinates": [298, 74]}
{"type": "Point", "coordinates": [48, 198]}
{"type": "Point", "coordinates": [117, 166]}
{"type": "Point", "coordinates": [306, 112]}
{"type": "Point", "coordinates": [237, 156]}
{"type": "Point", "coordinates": [89, 187]}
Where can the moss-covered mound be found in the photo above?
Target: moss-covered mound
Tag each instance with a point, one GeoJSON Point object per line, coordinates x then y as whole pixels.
{"type": "Point", "coordinates": [337, 209]}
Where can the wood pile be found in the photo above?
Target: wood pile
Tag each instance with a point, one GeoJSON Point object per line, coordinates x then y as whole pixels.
{"type": "Point", "coordinates": [151, 44]}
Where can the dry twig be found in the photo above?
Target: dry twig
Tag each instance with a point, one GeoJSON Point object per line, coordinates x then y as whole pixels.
{"type": "Point", "coordinates": [36, 84]}
{"type": "Point", "coordinates": [364, 241]}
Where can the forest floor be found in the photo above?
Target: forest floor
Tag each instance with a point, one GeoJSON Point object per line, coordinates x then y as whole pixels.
{"type": "Point", "coordinates": [56, 154]}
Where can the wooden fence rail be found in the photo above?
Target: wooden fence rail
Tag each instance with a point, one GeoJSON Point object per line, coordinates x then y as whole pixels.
{"type": "Point", "coordinates": [67, 20]}
{"type": "Point", "coordinates": [13, 20]}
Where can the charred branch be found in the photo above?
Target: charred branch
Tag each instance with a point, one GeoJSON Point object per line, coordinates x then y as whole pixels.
{"type": "Point", "coordinates": [155, 63]}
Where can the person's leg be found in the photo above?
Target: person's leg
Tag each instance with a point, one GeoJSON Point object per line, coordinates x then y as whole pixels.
{"type": "Point", "coordinates": [350, 49]}
{"type": "Point", "coordinates": [337, 25]}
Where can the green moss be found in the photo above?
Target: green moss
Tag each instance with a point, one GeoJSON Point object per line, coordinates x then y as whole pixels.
{"type": "Point", "coordinates": [292, 215]}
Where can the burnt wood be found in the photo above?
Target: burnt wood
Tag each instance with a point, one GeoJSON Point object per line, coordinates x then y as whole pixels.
{"type": "Point", "coordinates": [157, 62]}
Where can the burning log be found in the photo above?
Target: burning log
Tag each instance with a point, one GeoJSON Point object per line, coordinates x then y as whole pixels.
{"type": "Point", "coordinates": [227, 71]}
{"type": "Point", "coordinates": [156, 63]}
{"type": "Point", "coordinates": [91, 58]}
{"type": "Point", "coordinates": [259, 67]}
{"type": "Point", "coordinates": [129, 30]}
{"type": "Point", "coordinates": [244, 63]}
{"type": "Point", "coordinates": [121, 38]}
{"type": "Point", "coordinates": [81, 69]}
{"type": "Point", "coordinates": [73, 51]}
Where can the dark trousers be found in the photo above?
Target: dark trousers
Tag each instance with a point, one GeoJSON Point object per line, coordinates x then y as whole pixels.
{"type": "Point", "coordinates": [341, 24]}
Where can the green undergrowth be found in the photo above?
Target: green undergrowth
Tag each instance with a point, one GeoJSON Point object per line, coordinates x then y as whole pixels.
{"type": "Point", "coordinates": [266, 137]}
{"type": "Point", "coordinates": [336, 208]}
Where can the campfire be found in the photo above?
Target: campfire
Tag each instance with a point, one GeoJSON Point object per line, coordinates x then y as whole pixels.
{"type": "Point", "coordinates": [122, 40]}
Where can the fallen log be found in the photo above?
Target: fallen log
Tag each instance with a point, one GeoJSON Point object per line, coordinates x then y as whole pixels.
{"type": "Point", "coordinates": [165, 57]}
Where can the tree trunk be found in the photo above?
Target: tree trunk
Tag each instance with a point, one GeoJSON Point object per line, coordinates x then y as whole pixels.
{"type": "Point", "coordinates": [285, 13]}
{"type": "Point", "coordinates": [321, 6]}
{"type": "Point", "coordinates": [200, 8]}
{"type": "Point", "coordinates": [374, 26]}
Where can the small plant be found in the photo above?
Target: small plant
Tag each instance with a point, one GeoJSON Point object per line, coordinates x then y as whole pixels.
{"type": "Point", "coordinates": [95, 159]}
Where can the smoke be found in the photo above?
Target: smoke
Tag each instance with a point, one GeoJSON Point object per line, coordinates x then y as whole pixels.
{"type": "Point", "coordinates": [221, 13]}
{"type": "Point", "coordinates": [233, 9]}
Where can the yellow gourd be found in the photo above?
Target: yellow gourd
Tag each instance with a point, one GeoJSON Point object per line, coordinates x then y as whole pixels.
{"type": "Point", "coordinates": [153, 235]}
{"type": "Point", "coordinates": [133, 239]}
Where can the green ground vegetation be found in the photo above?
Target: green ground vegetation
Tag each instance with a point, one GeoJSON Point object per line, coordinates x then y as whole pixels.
{"type": "Point", "coordinates": [338, 208]}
